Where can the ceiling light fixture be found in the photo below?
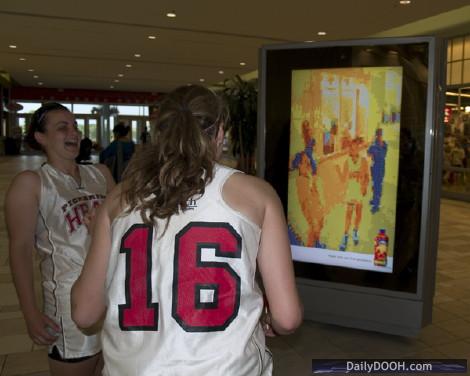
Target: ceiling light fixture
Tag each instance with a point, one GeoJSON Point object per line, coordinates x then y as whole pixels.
{"type": "Point", "coordinates": [40, 83]}
{"type": "Point", "coordinates": [221, 72]}
{"type": "Point", "coordinates": [35, 76]}
{"type": "Point", "coordinates": [116, 80]}
{"type": "Point", "coordinates": [22, 59]}
{"type": "Point", "coordinates": [128, 65]}
{"type": "Point", "coordinates": [309, 41]}
{"type": "Point", "coordinates": [152, 37]}
{"type": "Point", "coordinates": [321, 33]}
{"type": "Point", "coordinates": [30, 70]}
{"type": "Point", "coordinates": [201, 79]}
{"type": "Point", "coordinates": [242, 63]}
{"type": "Point", "coordinates": [111, 87]}
{"type": "Point", "coordinates": [120, 75]}
{"type": "Point", "coordinates": [12, 46]}
{"type": "Point", "coordinates": [137, 55]}
{"type": "Point", "coordinates": [171, 14]}
{"type": "Point", "coordinates": [405, 2]}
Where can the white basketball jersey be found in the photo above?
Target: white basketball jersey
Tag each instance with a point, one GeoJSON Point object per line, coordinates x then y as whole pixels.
{"type": "Point", "coordinates": [187, 302]}
{"type": "Point", "coordinates": [62, 242]}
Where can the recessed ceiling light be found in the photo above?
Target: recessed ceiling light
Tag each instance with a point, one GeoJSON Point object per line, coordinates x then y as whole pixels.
{"type": "Point", "coordinates": [40, 83]}
{"type": "Point", "coordinates": [22, 59]}
{"type": "Point", "coordinates": [35, 76]}
{"type": "Point", "coordinates": [321, 33]}
{"type": "Point", "coordinates": [242, 63]}
{"type": "Point", "coordinates": [116, 80]}
{"type": "Point", "coordinates": [111, 87]}
{"type": "Point", "coordinates": [128, 65]}
{"type": "Point", "coordinates": [12, 46]}
{"type": "Point", "coordinates": [30, 70]}
{"type": "Point", "coordinates": [221, 71]}
{"type": "Point", "coordinates": [137, 55]}
{"type": "Point", "coordinates": [309, 41]}
{"type": "Point", "coordinates": [120, 75]}
{"type": "Point", "coordinates": [201, 79]}
{"type": "Point", "coordinates": [405, 2]}
{"type": "Point", "coordinates": [152, 37]}
{"type": "Point", "coordinates": [171, 14]}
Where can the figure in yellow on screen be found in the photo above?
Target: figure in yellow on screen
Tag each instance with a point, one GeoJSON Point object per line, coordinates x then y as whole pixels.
{"type": "Point", "coordinates": [355, 174]}
{"type": "Point", "coordinates": [307, 188]}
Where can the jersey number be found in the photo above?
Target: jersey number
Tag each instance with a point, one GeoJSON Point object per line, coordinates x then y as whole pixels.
{"type": "Point", "coordinates": [205, 294]}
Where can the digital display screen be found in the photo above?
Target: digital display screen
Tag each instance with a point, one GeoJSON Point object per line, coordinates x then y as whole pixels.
{"type": "Point", "coordinates": [343, 166]}
{"type": "Point", "coordinates": [343, 130]}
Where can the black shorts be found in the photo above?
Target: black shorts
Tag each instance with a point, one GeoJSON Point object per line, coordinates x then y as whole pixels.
{"type": "Point", "coordinates": [55, 355]}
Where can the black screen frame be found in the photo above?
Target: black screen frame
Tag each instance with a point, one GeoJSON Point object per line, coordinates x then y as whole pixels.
{"type": "Point", "coordinates": [416, 56]}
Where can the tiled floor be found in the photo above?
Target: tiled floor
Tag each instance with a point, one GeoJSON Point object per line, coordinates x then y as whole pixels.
{"type": "Point", "coordinates": [447, 337]}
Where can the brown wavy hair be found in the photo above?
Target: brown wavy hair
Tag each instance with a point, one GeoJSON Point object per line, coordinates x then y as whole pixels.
{"type": "Point", "coordinates": [179, 162]}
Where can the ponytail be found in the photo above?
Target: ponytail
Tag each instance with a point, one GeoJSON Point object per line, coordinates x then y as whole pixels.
{"type": "Point", "coordinates": [179, 162]}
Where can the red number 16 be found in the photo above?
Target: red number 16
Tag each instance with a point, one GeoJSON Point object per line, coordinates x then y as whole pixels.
{"type": "Point", "coordinates": [206, 294]}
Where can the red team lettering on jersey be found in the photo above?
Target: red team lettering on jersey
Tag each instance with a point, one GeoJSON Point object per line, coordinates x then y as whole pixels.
{"type": "Point", "coordinates": [76, 209]}
{"type": "Point", "coordinates": [206, 294]}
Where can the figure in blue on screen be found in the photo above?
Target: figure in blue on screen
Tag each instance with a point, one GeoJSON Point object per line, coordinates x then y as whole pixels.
{"type": "Point", "coordinates": [377, 151]}
{"type": "Point", "coordinates": [308, 150]}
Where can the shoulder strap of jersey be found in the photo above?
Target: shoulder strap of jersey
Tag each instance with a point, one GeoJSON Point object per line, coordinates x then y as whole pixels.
{"type": "Point", "coordinates": [221, 174]}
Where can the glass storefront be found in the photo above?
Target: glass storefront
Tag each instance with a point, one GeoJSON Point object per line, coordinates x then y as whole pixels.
{"type": "Point", "coordinates": [89, 120]}
{"type": "Point", "coordinates": [456, 148]}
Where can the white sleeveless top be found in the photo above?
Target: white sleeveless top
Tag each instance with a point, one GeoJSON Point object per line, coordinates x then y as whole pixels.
{"type": "Point", "coordinates": [62, 242]}
{"type": "Point", "coordinates": [187, 302]}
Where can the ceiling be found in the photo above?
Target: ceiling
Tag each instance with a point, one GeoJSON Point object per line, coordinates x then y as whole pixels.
{"type": "Point", "coordinates": [86, 44]}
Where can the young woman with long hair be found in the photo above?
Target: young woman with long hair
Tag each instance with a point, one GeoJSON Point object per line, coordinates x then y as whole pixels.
{"type": "Point", "coordinates": [175, 251]}
{"type": "Point", "coordinates": [48, 210]}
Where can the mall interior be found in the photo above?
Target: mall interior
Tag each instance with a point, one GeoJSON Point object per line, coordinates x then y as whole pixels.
{"type": "Point", "coordinates": [87, 56]}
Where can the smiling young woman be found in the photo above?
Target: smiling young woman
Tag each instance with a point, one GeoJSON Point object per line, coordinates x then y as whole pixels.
{"type": "Point", "coordinates": [47, 210]}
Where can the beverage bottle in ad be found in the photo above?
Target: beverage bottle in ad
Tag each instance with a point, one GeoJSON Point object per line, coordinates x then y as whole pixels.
{"type": "Point", "coordinates": [381, 248]}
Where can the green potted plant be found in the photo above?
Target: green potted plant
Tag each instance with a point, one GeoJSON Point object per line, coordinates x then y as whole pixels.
{"type": "Point", "coordinates": [242, 98]}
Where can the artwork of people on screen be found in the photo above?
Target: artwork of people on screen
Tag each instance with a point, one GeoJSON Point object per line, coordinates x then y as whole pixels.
{"type": "Point", "coordinates": [343, 166]}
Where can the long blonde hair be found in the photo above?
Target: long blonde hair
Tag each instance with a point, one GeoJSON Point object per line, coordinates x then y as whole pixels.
{"type": "Point", "coordinates": [179, 162]}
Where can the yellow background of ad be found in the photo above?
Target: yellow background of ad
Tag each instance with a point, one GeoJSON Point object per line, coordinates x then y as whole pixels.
{"type": "Point", "coordinates": [319, 97]}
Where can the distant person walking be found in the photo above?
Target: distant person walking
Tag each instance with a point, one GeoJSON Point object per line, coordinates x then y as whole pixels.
{"type": "Point", "coordinates": [144, 136]}
{"type": "Point", "coordinates": [119, 152]}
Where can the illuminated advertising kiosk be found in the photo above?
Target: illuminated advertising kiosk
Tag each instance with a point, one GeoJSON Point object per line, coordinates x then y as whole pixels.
{"type": "Point", "coordinates": [349, 136]}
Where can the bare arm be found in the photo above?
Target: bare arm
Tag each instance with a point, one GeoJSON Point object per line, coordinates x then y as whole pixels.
{"type": "Point", "coordinates": [110, 183]}
{"type": "Point", "coordinates": [88, 292]}
{"type": "Point", "coordinates": [21, 210]}
{"type": "Point", "coordinates": [89, 218]}
{"type": "Point", "coordinates": [276, 268]}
